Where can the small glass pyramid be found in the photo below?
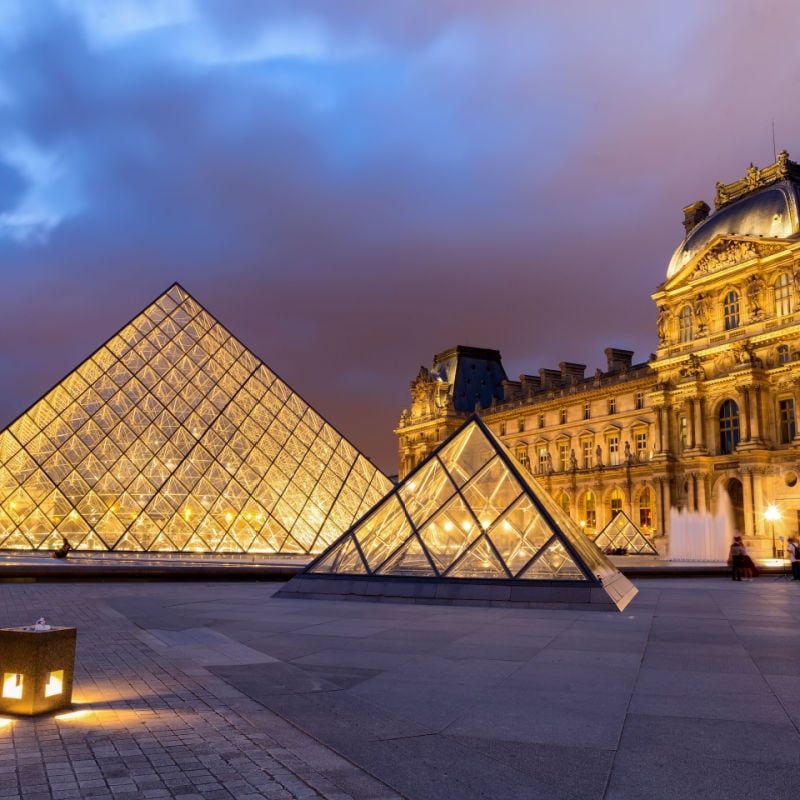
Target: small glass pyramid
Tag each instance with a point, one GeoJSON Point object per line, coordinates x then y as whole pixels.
{"type": "Point", "coordinates": [172, 436]}
{"type": "Point", "coordinates": [622, 534]}
{"type": "Point", "coordinates": [467, 512]}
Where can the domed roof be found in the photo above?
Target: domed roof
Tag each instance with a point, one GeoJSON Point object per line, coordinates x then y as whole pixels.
{"type": "Point", "coordinates": [769, 211]}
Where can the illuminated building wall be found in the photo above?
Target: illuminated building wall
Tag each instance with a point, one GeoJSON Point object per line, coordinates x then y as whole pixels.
{"type": "Point", "coordinates": [712, 413]}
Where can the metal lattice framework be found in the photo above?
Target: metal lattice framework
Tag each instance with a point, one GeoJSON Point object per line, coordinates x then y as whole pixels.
{"type": "Point", "coordinates": [173, 436]}
{"type": "Point", "coordinates": [467, 512]}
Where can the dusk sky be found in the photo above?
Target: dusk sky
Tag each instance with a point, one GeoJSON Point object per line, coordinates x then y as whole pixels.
{"type": "Point", "coordinates": [351, 186]}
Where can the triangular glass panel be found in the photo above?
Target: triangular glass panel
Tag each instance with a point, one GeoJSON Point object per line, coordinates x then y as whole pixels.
{"type": "Point", "coordinates": [480, 561]}
{"type": "Point", "coordinates": [344, 559]}
{"type": "Point", "coordinates": [449, 533]}
{"type": "Point", "coordinates": [426, 491]}
{"type": "Point", "coordinates": [554, 563]}
{"type": "Point", "coordinates": [410, 560]}
{"type": "Point", "coordinates": [16, 541]}
{"type": "Point", "coordinates": [380, 533]}
{"type": "Point", "coordinates": [466, 453]}
{"type": "Point", "coordinates": [520, 534]}
{"type": "Point", "coordinates": [491, 492]}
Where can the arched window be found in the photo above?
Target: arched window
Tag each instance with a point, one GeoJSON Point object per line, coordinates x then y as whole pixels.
{"type": "Point", "coordinates": [728, 427]}
{"type": "Point", "coordinates": [589, 510]}
{"type": "Point", "coordinates": [783, 354]}
{"type": "Point", "coordinates": [731, 310]}
{"type": "Point", "coordinates": [783, 295]}
{"type": "Point", "coordinates": [563, 501]}
{"type": "Point", "coordinates": [646, 508]}
{"type": "Point", "coordinates": [685, 332]}
{"type": "Point", "coordinates": [616, 502]}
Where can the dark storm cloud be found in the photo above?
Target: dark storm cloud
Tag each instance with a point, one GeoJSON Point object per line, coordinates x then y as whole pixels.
{"type": "Point", "coordinates": [354, 186]}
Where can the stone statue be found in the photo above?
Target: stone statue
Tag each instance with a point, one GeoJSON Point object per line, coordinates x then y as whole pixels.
{"type": "Point", "coordinates": [598, 455]}
{"type": "Point", "coordinates": [797, 289]}
{"type": "Point", "coordinates": [549, 467]}
{"type": "Point", "coordinates": [701, 312]}
{"type": "Point", "coordinates": [573, 461]}
{"type": "Point", "coordinates": [663, 324]}
{"type": "Point", "coordinates": [754, 287]}
{"type": "Point", "coordinates": [628, 454]}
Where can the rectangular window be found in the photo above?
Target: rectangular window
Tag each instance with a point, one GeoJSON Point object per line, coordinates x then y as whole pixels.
{"type": "Point", "coordinates": [645, 511]}
{"type": "Point", "coordinates": [613, 451]}
{"type": "Point", "coordinates": [502, 429]}
{"type": "Point", "coordinates": [541, 420]}
{"type": "Point", "coordinates": [587, 455]}
{"type": "Point", "coordinates": [563, 457]}
{"type": "Point", "coordinates": [683, 432]}
{"type": "Point", "coordinates": [612, 405]}
{"type": "Point", "coordinates": [587, 410]}
{"type": "Point", "coordinates": [786, 420]}
{"type": "Point", "coordinates": [563, 416]}
{"type": "Point", "coordinates": [639, 400]}
{"type": "Point", "coordinates": [522, 457]}
{"type": "Point", "coordinates": [590, 511]}
{"type": "Point", "coordinates": [521, 425]}
{"type": "Point", "coordinates": [543, 461]}
{"type": "Point", "coordinates": [641, 447]}
{"type": "Point", "coordinates": [731, 311]}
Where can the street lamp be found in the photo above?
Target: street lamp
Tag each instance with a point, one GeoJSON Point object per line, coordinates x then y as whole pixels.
{"type": "Point", "coordinates": [772, 514]}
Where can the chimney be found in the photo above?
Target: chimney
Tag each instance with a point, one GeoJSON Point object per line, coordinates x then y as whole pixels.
{"type": "Point", "coordinates": [618, 360]}
{"type": "Point", "coordinates": [549, 378]}
{"type": "Point", "coordinates": [694, 214]}
{"type": "Point", "coordinates": [571, 373]}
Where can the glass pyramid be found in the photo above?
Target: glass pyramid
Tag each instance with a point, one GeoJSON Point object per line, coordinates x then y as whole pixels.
{"type": "Point", "coordinates": [622, 534]}
{"type": "Point", "coordinates": [467, 512]}
{"type": "Point", "coordinates": [172, 436]}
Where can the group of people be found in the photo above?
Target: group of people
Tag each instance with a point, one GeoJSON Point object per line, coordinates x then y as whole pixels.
{"type": "Point", "coordinates": [743, 568]}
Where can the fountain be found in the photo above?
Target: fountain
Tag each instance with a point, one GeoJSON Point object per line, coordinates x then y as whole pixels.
{"type": "Point", "coordinates": [701, 537]}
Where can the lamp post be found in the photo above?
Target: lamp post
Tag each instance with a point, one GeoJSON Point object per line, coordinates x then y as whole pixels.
{"type": "Point", "coordinates": [772, 514]}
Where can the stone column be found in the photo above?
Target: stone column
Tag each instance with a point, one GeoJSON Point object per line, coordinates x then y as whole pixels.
{"type": "Point", "coordinates": [659, 441]}
{"type": "Point", "coordinates": [690, 406]}
{"type": "Point", "coordinates": [744, 416]}
{"type": "Point", "coordinates": [758, 427]}
{"type": "Point", "coordinates": [701, 423]}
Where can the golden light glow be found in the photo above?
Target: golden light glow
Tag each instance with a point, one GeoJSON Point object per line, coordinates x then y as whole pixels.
{"type": "Point", "coordinates": [73, 715]}
{"type": "Point", "coordinates": [5, 722]}
{"type": "Point", "coordinates": [12, 685]}
{"type": "Point", "coordinates": [55, 683]}
{"type": "Point", "coordinates": [772, 513]}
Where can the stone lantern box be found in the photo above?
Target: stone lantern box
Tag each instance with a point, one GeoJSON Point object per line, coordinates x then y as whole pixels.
{"type": "Point", "coordinates": [36, 669]}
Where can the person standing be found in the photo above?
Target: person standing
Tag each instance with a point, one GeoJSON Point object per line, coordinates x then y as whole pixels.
{"type": "Point", "coordinates": [794, 557]}
{"type": "Point", "coordinates": [736, 558]}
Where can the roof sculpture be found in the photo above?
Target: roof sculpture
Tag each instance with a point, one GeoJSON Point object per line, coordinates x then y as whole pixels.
{"type": "Point", "coordinates": [467, 524]}
{"type": "Point", "coordinates": [622, 534]}
{"type": "Point", "coordinates": [765, 204]}
{"type": "Point", "coordinates": [173, 436]}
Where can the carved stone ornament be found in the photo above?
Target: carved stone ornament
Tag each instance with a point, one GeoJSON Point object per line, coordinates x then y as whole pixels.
{"type": "Point", "coordinates": [693, 368]}
{"type": "Point", "coordinates": [755, 178]}
{"type": "Point", "coordinates": [726, 254]}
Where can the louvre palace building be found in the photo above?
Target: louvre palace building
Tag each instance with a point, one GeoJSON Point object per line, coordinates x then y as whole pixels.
{"type": "Point", "coordinates": [710, 415]}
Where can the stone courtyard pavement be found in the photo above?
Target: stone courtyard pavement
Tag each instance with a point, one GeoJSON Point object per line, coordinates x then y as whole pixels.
{"type": "Point", "coordinates": [218, 690]}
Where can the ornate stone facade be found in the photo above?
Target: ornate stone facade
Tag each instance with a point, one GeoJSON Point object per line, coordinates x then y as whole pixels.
{"type": "Point", "coordinates": [712, 412]}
